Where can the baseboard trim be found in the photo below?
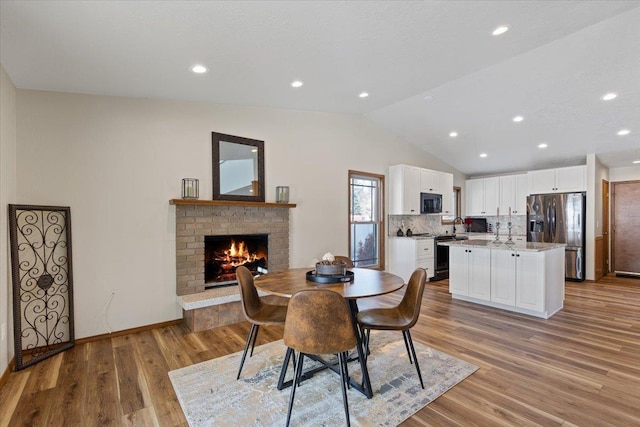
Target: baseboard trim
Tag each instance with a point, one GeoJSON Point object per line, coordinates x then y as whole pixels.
{"type": "Point", "coordinates": [7, 371]}
{"type": "Point", "coordinates": [129, 331]}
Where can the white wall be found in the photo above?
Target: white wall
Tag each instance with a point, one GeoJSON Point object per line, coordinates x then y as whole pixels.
{"type": "Point", "coordinates": [631, 173]}
{"type": "Point", "coordinates": [7, 195]}
{"type": "Point", "coordinates": [117, 161]}
{"type": "Point", "coordinates": [596, 172]}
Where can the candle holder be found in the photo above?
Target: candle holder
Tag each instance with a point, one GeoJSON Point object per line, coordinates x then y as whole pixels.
{"type": "Point", "coordinates": [497, 241]}
{"type": "Point", "coordinates": [282, 194]}
{"type": "Point", "coordinates": [509, 239]}
{"type": "Point", "coordinates": [190, 188]}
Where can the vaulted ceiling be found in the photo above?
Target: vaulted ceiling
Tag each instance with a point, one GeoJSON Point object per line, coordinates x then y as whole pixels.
{"type": "Point", "coordinates": [430, 67]}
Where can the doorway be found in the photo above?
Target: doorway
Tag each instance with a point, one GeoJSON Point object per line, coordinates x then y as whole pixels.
{"type": "Point", "coordinates": [625, 221]}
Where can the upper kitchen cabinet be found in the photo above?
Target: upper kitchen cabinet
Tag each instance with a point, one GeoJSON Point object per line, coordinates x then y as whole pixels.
{"type": "Point", "coordinates": [438, 183]}
{"type": "Point", "coordinates": [483, 196]}
{"type": "Point", "coordinates": [513, 194]}
{"type": "Point", "coordinates": [404, 190]}
{"type": "Point", "coordinates": [560, 180]}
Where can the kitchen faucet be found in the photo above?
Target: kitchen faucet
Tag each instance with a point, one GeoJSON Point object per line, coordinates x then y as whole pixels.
{"type": "Point", "coordinates": [454, 223]}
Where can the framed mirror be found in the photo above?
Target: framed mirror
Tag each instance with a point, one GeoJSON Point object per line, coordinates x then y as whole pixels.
{"type": "Point", "coordinates": [238, 168]}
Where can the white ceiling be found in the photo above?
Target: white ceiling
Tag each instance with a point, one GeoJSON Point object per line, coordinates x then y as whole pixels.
{"type": "Point", "coordinates": [552, 67]}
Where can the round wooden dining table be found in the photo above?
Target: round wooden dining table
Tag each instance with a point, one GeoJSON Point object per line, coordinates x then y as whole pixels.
{"type": "Point", "coordinates": [366, 283]}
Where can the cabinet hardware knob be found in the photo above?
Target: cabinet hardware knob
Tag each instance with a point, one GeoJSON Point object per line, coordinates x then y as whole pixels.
{"type": "Point", "coordinates": [513, 255]}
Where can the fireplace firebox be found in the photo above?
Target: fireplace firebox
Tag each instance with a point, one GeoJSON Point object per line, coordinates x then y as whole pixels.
{"type": "Point", "coordinates": [223, 254]}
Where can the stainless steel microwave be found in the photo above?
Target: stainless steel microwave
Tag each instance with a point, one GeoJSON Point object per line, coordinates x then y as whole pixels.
{"type": "Point", "coordinates": [430, 203]}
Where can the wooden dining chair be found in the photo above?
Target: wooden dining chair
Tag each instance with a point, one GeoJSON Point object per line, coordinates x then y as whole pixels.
{"type": "Point", "coordinates": [255, 310]}
{"type": "Point", "coordinates": [345, 259]}
{"type": "Point", "coordinates": [318, 322]}
{"type": "Point", "coordinates": [399, 318]}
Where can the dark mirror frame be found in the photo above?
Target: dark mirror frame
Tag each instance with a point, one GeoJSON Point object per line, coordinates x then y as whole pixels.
{"type": "Point", "coordinates": [216, 138]}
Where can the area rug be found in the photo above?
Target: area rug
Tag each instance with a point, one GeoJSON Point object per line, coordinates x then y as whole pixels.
{"type": "Point", "coordinates": [210, 395]}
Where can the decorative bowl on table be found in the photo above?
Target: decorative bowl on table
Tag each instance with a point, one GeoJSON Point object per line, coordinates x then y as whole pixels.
{"type": "Point", "coordinates": [331, 268]}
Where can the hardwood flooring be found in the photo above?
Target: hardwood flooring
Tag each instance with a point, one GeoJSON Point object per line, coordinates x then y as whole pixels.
{"type": "Point", "coordinates": [581, 367]}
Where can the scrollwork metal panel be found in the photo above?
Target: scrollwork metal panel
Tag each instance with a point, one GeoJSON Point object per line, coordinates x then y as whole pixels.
{"type": "Point", "coordinates": [42, 282]}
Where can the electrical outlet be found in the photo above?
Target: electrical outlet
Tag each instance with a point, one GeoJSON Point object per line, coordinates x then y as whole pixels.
{"type": "Point", "coordinates": [4, 332]}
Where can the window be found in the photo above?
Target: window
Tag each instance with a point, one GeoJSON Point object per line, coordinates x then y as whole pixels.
{"type": "Point", "coordinates": [457, 207]}
{"type": "Point", "coordinates": [366, 225]}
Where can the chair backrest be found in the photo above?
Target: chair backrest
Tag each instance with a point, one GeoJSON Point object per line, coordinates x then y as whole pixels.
{"type": "Point", "coordinates": [251, 302]}
{"type": "Point", "coordinates": [318, 322]}
{"type": "Point", "coordinates": [412, 300]}
{"type": "Point", "coordinates": [345, 259]}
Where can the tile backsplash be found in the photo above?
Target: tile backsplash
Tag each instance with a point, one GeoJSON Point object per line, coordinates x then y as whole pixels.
{"type": "Point", "coordinates": [432, 224]}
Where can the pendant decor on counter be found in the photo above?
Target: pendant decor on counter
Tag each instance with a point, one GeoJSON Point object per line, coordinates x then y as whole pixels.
{"type": "Point", "coordinates": [399, 233]}
{"type": "Point", "coordinates": [42, 282]}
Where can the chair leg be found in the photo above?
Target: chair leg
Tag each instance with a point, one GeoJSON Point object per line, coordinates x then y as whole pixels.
{"type": "Point", "coordinates": [346, 368]}
{"type": "Point", "coordinates": [246, 347]}
{"type": "Point", "coordinates": [285, 366]}
{"type": "Point", "coordinates": [343, 380]}
{"type": "Point", "coordinates": [406, 344]}
{"type": "Point", "coordinates": [367, 339]}
{"type": "Point", "coordinates": [296, 378]}
{"type": "Point", "coordinates": [255, 337]}
{"type": "Point", "coordinates": [413, 351]}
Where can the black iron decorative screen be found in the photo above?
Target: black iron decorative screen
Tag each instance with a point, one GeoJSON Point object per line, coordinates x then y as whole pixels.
{"type": "Point", "coordinates": [42, 282]}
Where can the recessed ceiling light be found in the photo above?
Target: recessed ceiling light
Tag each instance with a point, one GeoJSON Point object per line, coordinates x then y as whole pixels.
{"type": "Point", "coordinates": [636, 162]}
{"type": "Point", "coordinates": [543, 145]}
{"type": "Point", "coordinates": [428, 98]}
{"type": "Point", "coordinates": [296, 83]}
{"type": "Point", "coordinates": [453, 134]}
{"type": "Point", "coordinates": [483, 155]}
{"type": "Point", "coordinates": [609, 96]}
{"type": "Point", "coordinates": [363, 95]}
{"type": "Point", "coordinates": [500, 30]}
{"type": "Point", "coordinates": [518, 119]}
{"type": "Point", "coordinates": [199, 69]}
{"type": "Point", "coordinates": [624, 132]}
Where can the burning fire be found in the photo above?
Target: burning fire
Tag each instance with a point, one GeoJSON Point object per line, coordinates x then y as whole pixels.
{"type": "Point", "coordinates": [238, 254]}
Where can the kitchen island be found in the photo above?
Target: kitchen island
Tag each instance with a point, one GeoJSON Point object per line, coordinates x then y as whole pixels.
{"type": "Point", "coordinates": [526, 277]}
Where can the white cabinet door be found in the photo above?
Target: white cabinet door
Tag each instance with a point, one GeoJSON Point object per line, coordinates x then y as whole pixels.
{"type": "Point", "coordinates": [513, 194]}
{"type": "Point", "coordinates": [446, 184]}
{"type": "Point", "coordinates": [402, 256]}
{"type": "Point", "coordinates": [479, 273]}
{"type": "Point", "coordinates": [411, 202]}
{"type": "Point", "coordinates": [542, 181]}
{"type": "Point", "coordinates": [571, 179]}
{"type": "Point", "coordinates": [507, 193]}
{"type": "Point", "coordinates": [430, 181]}
{"type": "Point", "coordinates": [503, 279]}
{"type": "Point", "coordinates": [475, 197]}
{"type": "Point", "coordinates": [483, 196]}
{"type": "Point", "coordinates": [404, 190]}
{"type": "Point", "coordinates": [560, 180]}
{"type": "Point", "coordinates": [522, 194]}
{"type": "Point", "coordinates": [530, 280]}
{"type": "Point", "coordinates": [458, 271]}
{"type": "Point", "coordinates": [491, 195]}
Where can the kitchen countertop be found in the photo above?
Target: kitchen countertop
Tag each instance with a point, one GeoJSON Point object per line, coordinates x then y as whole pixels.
{"type": "Point", "coordinates": [520, 246]}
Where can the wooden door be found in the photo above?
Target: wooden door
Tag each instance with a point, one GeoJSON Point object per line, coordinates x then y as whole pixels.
{"type": "Point", "coordinates": [626, 223]}
{"type": "Point", "coordinates": [605, 226]}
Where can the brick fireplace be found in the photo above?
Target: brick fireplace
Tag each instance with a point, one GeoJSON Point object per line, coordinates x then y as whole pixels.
{"type": "Point", "coordinates": [196, 219]}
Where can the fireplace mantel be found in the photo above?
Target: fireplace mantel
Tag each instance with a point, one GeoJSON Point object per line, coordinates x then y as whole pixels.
{"type": "Point", "coordinates": [197, 202]}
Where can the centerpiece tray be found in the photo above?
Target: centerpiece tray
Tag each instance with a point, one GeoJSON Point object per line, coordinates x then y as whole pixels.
{"type": "Point", "coordinates": [313, 277]}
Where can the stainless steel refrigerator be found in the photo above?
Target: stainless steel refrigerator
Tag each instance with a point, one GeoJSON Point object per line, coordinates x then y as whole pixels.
{"type": "Point", "coordinates": [560, 218]}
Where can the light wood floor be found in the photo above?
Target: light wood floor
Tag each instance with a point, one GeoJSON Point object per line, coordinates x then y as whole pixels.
{"type": "Point", "coordinates": [581, 367]}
